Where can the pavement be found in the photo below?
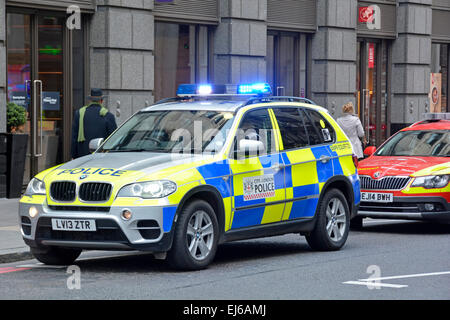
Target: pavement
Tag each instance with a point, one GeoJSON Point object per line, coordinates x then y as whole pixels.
{"type": "Point", "coordinates": [12, 247]}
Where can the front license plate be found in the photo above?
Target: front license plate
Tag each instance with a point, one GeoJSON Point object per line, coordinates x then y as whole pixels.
{"type": "Point", "coordinates": [73, 225]}
{"type": "Point", "coordinates": [377, 197]}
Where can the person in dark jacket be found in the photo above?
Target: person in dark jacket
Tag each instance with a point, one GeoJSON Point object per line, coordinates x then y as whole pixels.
{"type": "Point", "coordinates": [91, 122]}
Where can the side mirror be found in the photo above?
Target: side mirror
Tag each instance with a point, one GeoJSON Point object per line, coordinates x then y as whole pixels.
{"type": "Point", "coordinates": [369, 151]}
{"type": "Point", "coordinates": [94, 144]}
{"type": "Point", "coordinates": [252, 147]}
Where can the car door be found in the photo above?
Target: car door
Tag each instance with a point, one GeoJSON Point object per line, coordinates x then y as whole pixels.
{"type": "Point", "coordinates": [257, 179]}
{"type": "Point", "coordinates": [306, 158]}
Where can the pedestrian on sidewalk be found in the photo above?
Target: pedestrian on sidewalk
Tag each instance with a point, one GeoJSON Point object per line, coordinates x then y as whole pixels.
{"type": "Point", "coordinates": [353, 128]}
{"type": "Point", "coordinates": [91, 122]}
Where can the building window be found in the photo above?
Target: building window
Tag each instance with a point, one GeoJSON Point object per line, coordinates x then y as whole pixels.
{"type": "Point", "coordinates": [287, 63]}
{"type": "Point", "coordinates": [439, 78]}
{"type": "Point", "coordinates": [181, 56]}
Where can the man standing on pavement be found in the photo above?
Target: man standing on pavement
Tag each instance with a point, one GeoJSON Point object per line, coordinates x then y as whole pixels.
{"type": "Point", "coordinates": [91, 122]}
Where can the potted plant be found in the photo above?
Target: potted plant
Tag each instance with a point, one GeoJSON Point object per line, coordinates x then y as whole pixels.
{"type": "Point", "coordinates": [17, 142]}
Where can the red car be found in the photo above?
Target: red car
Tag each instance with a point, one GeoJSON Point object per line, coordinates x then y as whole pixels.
{"type": "Point", "coordinates": [408, 176]}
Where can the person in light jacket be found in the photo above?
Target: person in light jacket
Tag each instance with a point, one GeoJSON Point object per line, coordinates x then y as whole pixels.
{"type": "Point", "coordinates": [353, 128]}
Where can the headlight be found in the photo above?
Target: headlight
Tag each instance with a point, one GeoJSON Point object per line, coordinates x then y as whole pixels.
{"type": "Point", "coordinates": [35, 186]}
{"type": "Point", "coordinates": [431, 182]}
{"type": "Point", "coordinates": [149, 190]}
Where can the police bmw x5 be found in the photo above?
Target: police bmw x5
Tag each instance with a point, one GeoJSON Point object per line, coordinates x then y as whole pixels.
{"type": "Point", "coordinates": [212, 165]}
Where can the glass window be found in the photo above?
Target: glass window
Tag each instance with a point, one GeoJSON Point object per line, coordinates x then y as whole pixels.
{"type": "Point", "coordinates": [439, 77]}
{"type": "Point", "coordinates": [417, 143]}
{"type": "Point", "coordinates": [319, 130]}
{"type": "Point", "coordinates": [172, 131]}
{"type": "Point", "coordinates": [181, 56]}
{"type": "Point", "coordinates": [257, 125]}
{"type": "Point", "coordinates": [292, 129]}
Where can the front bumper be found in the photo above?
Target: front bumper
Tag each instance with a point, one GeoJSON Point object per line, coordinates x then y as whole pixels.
{"type": "Point", "coordinates": [150, 228]}
{"type": "Point", "coordinates": [409, 208]}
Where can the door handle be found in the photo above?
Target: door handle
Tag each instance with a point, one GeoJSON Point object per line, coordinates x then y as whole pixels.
{"type": "Point", "coordinates": [324, 159]}
{"type": "Point", "coordinates": [37, 93]}
{"type": "Point", "coordinates": [278, 167]}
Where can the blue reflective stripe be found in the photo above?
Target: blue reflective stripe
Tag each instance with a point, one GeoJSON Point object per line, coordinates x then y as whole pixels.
{"type": "Point", "coordinates": [307, 190]}
{"type": "Point", "coordinates": [221, 185]}
{"type": "Point", "coordinates": [304, 208]}
{"type": "Point", "coordinates": [269, 160]}
{"type": "Point", "coordinates": [217, 169]}
{"type": "Point", "coordinates": [168, 216]}
{"type": "Point", "coordinates": [288, 176]}
{"type": "Point", "coordinates": [337, 167]}
{"type": "Point", "coordinates": [248, 217]}
{"type": "Point", "coordinates": [356, 187]}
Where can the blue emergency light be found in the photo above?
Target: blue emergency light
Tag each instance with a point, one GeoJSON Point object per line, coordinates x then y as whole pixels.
{"type": "Point", "coordinates": [209, 89]}
{"type": "Point", "coordinates": [254, 88]}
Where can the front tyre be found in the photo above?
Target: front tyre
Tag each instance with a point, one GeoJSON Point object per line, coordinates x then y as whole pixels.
{"type": "Point", "coordinates": [55, 255]}
{"type": "Point", "coordinates": [333, 220]}
{"type": "Point", "coordinates": [196, 237]}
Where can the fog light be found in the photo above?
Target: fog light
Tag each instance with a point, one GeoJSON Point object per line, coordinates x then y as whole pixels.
{"type": "Point", "coordinates": [33, 212]}
{"type": "Point", "coordinates": [126, 214]}
{"type": "Point", "coordinates": [429, 206]}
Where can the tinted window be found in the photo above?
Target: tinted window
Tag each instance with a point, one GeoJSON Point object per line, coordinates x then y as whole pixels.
{"type": "Point", "coordinates": [319, 130]}
{"type": "Point", "coordinates": [256, 125]}
{"type": "Point", "coordinates": [292, 129]}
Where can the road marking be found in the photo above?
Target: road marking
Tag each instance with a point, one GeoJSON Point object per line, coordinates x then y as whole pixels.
{"type": "Point", "coordinates": [41, 266]}
{"type": "Point", "coordinates": [11, 269]}
{"type": "Point", "coordinates": [408, 276]}
{"type": "Point", "coordinates": [374, 284]}
{"type": "Point", "coordinates": [10, 228]}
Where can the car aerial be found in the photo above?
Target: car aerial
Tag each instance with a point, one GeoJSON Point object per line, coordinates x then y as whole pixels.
{"type": "Point", "coordinates": [407, 177]}
{"type": "Point", "coordinates": [213, 164]}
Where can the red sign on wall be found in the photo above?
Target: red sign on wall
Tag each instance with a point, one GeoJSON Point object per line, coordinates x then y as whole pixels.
{"type": "Point", "coordinates": [366, 14]}
{"type": "Point", "coordinates": [371, 56]}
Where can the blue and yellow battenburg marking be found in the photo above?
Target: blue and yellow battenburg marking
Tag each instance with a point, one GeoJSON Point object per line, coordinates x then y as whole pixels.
{"type": "Point", "coordinates": [271, 188]}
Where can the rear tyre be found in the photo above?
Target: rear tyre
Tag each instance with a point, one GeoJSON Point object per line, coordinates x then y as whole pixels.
{"type": "Point", "coordinates": [196, 237]}
{"type": "Point", "coordinates": [356, 223]}
{"type": "Point", "coordinates": [332, 225]}
{"type": "Point", "coordinates": [55, 255]}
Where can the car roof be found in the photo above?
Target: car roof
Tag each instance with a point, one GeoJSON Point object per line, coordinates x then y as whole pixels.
{"type": "Point", "coordinates": [206, 105]}
{"type": "Point", "coordinates": [429, 125]}
{"type": "Point", "coordinates": [215, 104]}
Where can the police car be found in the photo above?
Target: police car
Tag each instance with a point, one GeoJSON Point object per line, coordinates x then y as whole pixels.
{"type": "Point", "coordinates": [212, 165]}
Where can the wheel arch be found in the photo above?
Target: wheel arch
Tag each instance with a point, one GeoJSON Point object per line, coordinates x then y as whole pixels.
{"type": "Point", "coordinates": [212, 196]}
{"type": "Point", "coordinates": [343, 184]}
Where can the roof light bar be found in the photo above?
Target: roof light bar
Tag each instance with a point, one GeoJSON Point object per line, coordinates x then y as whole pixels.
{"type": "Point", "coordinates": [229, 90]}
{"type": "Point", "coordinates": [254, 88]}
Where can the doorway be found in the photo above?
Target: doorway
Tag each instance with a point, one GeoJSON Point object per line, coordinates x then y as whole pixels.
{"type": "Point", "coordinates": [286, 63]}
{"type": "Point", "coordinates": [372, 83]}
{"type": "Point", "coordinates": [36, 80]}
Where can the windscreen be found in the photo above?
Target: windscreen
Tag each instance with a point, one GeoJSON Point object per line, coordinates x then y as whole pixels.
{"type": "Point", "coordinates": [191, 131]}
{"type": "Point", "coordinates": [417, 143]}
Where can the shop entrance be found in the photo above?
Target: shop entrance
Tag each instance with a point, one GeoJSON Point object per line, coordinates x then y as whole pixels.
{"type": "Point", "coordinates": [372, 83]}
{"type": "Point", "coordinates": [36, 69]}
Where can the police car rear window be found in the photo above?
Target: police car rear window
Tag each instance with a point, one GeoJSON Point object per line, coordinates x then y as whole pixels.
{"type": "Point", "coordinates": [292, 128]}
{"type": "Point", "coordinates": [319, 130]}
